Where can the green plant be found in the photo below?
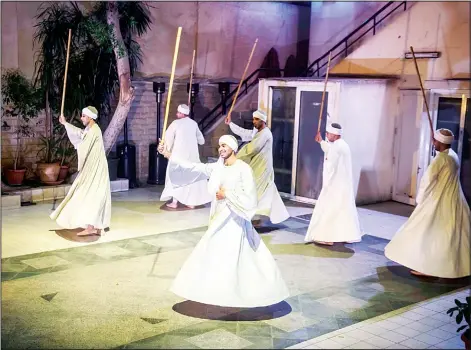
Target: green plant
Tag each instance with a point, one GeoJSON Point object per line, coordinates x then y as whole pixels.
{"type": "Point", "coordinates": [23, 101]}
{"type": "Point", "coordinates": [92, 77]}
{"type": "Point", "coordinates": [463, 310]}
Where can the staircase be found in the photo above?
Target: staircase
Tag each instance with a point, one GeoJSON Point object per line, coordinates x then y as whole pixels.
{"type": "Point", "coordinates": [318, 68]}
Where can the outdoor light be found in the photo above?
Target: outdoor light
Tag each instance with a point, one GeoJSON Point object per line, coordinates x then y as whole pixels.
{"type": "Point", "coordinates": [423, 54]}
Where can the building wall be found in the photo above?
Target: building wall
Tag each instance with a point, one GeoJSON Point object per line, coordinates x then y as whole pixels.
{"type": "Point", "coordinates": [427, 26]}
{"type": "Point", "coordinates": [332, 21]}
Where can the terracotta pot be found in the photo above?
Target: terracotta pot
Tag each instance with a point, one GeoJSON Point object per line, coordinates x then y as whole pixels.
{"type": "Point", "coordinates": [48, 172]}
{"type": "Point", "coordinates": [63, 172]}
{"type": "Point", "coordinates": [466, 342]}
{"type": "Point", "coordinates": [15, 177]}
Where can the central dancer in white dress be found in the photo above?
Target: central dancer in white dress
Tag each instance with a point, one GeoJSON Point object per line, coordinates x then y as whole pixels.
{"type": "Point", "coordinates": [230, 266]}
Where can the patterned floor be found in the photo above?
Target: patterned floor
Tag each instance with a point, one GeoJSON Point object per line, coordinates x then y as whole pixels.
{"type": "Point", "coordinates": [115, 294]}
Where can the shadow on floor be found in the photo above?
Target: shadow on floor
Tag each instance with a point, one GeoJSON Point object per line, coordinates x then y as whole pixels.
{"type": "Point", "coordinates": [71, 235]}
{"type": "Point", "coordinates": [390, 207]}
{"type": "Point", "coordinates": [404, 272]}
{"type": "Point", "coordinates": [212, 312]}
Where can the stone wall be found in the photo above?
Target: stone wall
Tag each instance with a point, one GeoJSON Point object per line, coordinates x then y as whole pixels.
{"type": "Point", "coordinates": [30, 145]}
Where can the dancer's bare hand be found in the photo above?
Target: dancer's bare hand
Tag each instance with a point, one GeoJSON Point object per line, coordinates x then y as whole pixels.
{"type": "Point", "coordinates": [162, 150]}
{"type": "Point", "coordinates": [318, 137]}
{"type": "Point", "coordinates": [227, 120]}
{"type": "Point", "coordinates": [221, 194]}
{"type": "Point", "coordinates": [62, 119]}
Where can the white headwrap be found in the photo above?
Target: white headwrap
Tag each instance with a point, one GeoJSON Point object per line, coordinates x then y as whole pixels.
{"type": "Point", "coordinates": [447, 140]}
{"type": "Point", "coordinates": [230, 141]}
{"type": "Point", "coordinates": [260, 115]}
{"type": "Point", "coordinates": [184, 109]}
{"type": "Point", "coordinates": [89, 112]}
{"type": "Point", "coordinates": [329, 128]}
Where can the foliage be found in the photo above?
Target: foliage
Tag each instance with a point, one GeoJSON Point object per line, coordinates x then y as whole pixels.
{"type": "Point", "coordinates": [92, 77]}
{"type": "Point", "coordinates": [463, 310]}
{"type": "Point", "coordinates": [23, 101]}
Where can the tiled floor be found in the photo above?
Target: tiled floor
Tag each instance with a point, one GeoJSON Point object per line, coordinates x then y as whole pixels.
{"type": "Point", "coordinates": [114, 293]}
{"type": "Point", "coordinates": [424, 325]}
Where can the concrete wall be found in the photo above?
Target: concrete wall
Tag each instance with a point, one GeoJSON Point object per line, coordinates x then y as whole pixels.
{"type": "Point", "coordinates": [222, 33]}
{"type": "Point", "coordinates": [427, 26]}
{"type": "Point", "coordinates": [332, 21]}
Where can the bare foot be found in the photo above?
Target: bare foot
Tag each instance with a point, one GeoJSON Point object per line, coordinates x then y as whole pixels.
{"type": "Point", "coordinates": [324, 243]}
{"type": "Point", "coordinates": [417, 273]}
{"type": "Point", "coordinates": [191, 206]}
{"type": "Point", "coordinates": [172, 205]}
{"type": "Point", "coordinates": [86, 232]}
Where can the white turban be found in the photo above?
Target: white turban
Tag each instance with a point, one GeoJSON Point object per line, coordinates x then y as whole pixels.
{"type": "Point", "coordinates": [440, 137]}
{"type": "Point", "coordinates": [260, 115]}
{"type": "Point", "coordinates": [184, 109]}
{"type": "Point", "coordinates": [336, 131]}
{"type": "Point", "coordinates": [90, 112]}
{"type": "Point", "coordinates": [230, 141]}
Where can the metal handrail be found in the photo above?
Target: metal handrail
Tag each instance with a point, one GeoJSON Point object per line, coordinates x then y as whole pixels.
{"type": "Point", "coordinates": [206, 122]}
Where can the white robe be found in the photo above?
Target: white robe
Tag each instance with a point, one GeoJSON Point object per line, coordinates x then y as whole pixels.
{"type": "Point", "coordinates": [258, 153]}
{"type": "Point", "coordinates": [182, 139]}
{"type": "Point", "coordinates": [88, 201]}
{"type": "Point", "coordinates": [435, 239]}
{"type": "Point", "coordinates": [230, 266]}
{"type": "Point", "coordinates": [335, 216]}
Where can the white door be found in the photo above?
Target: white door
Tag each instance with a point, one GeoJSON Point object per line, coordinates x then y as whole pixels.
{"type": "Point", "coordinates": [407, 146]}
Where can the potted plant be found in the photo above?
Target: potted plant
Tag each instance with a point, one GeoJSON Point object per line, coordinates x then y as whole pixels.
{"type": "Point", "coordinates": [21, 101]}
{"type": "Point", "coordinates": [48, 168]}
{"type": "Point", "coordinates": [66, 153]}
{"type": "Point", "coordinates": [463, 310]}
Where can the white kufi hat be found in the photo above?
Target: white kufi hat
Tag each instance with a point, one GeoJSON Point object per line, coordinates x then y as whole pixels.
{"type": "Point", "coordinates": [333, 130]}
{"type": "Point", "coordinates": [90, 112]}
{"type": "Point", "coordinates": [184, 109]}
{"type": "Point", "coordinates": [445, 139]}
{"type": "Point", "coordinates": [230, 141]}
{"type": "Point", "coordinates": [260, 115]}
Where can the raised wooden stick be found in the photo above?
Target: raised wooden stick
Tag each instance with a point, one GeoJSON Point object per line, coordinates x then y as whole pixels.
{"type": "Point", "coordinates": [191, 77]}
{"type": "Point", "coordinates": [65, 74]}
{"type": "Point", "coordinates": [242, 80]}
{"type": "Point", "coordinates": [175, 55]}
{"type": "Point", "coordinates": [323, 93]}
{"type": "Point", "coordinates": [423, 92]}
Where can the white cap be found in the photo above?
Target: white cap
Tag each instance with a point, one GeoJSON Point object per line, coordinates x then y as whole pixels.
{"type": "Point", "coordinates": [230, 141]}
{"type": "Point", "coordinates": [184, 109]}
{"type": "Point", "coordinates": [260, 115]}
{"type": "Point", "coordinates": [90, 112]}
{"type": "Point", "coordinates": [445, 139]}
{"type": "Point", "coordinates": [333, 130]}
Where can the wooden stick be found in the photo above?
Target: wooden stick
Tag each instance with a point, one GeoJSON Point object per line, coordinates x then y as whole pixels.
{"type": "Point", "coordinates": [167, 108]}
{"type": "Point", "coordinates": [241, 81]}
{"type": "Point", "coordinates": [65, 74]}
{"type": "Point", "coordinates": [191, 77]}
{"type": "Point", "coordinates": [423, 92]}
{"type": "Point", "coordinates": [323, 93]}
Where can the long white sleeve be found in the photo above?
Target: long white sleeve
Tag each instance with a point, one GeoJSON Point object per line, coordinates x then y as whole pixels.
{"type": "Point", "coordinates": [75, 134]}
{"type": "Point", "coordinates": [245, 134]}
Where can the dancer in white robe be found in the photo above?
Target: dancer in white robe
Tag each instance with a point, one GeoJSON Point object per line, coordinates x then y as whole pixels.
{"type": "Point", "coordinates": [88, 202]}
{"type": "Point", "coordinates": [258, 153]}
{"type": "Point", "coordinates": [182, 139]}
{"type": "Point", "coordinates": [230, 266]}
{"type": "Point", "coordinates": [434, 241]}
{"type": "Point", "coordinates": [335, 216]}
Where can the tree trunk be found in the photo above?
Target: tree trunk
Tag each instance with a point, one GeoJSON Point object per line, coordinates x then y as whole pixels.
{"type": "Point", "coordinates": [126, 91]}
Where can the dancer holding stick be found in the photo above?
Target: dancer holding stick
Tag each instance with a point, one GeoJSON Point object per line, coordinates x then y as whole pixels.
{"type": "Point", "coordinates": [88, 203]}
{"type": "Point", "coordinates": [181, 140]}
{"type": "Point", "coordinates": [435, 240]}
{"type": "Point", "coordinates": [335, 217]}
{"type": "Point", "coordinates": [258, 153]}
